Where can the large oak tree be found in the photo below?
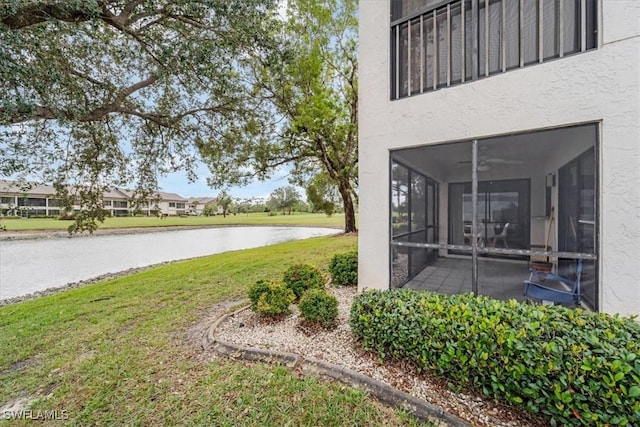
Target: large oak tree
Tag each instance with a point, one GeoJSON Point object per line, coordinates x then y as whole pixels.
{"type": "Point", "coordinates": [97, 93]}
{"type": "Point", "coordinates": [304, 98]}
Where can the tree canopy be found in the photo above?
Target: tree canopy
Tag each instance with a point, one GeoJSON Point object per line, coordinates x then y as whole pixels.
{"type": "Point", "coordinates": [284, 199]}
{"type": "Point", "coordinates": [304, 99]}
{"type": "Point", "coordinates": [101, 93]}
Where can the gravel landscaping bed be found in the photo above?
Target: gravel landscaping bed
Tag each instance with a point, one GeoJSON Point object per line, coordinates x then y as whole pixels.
{"type": "Point", "coordinates": [337, 346]}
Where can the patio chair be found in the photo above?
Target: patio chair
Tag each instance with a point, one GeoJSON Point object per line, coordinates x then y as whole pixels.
{"type": "Point", "coordinates": [468, 235]}
{"type": "Point", "coordinates": [535, 290]}
{"type": "Point", "coordinates": [502, 236]}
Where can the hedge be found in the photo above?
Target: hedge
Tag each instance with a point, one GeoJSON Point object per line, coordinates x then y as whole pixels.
{"type": "Point", "coordinates": [576, 367]}
{"type": "Point", "coordinates": [343, 268]}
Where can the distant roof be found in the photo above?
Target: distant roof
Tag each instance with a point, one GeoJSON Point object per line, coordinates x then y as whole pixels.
{"type": "Point", "coordinates": [203, 200]}
{"type": "Point", "coordinates": [161, 195]}
{"type": "Point", "coordinates": [114, 193]}
{"type": "Point", "coordinates": [171, 196]}
{"type": "Point", "coordinates": [26, 187]}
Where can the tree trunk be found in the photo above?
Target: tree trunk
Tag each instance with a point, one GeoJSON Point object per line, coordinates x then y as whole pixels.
{"type": "Point", "coordinates": [344, 188]}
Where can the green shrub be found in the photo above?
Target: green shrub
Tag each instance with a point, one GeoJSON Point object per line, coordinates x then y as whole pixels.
{"type": "Point", "coordinates": [318, 306]}
{"type": "Point", "coordinates": [300, 277]}
{"type": "Point", "coordinates": [343, 268]}
{"type": "Point", "coordinates": [574, 366]}
{"type": "Point", "coordinates": [255, 290]}
{"type": "Point", "coordinates": [270, 299]}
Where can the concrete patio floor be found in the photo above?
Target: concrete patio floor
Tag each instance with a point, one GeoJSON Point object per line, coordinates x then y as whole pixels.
{"type": "Point", "coordinates": [500, 279]}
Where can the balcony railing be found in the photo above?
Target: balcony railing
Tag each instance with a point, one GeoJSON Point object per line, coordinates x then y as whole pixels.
{"type": "Point", "coordinates": [450, 43]}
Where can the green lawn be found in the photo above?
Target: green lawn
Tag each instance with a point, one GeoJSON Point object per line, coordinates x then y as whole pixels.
{"type": "Point", "coordinates": [309, 219]}
{"type": "Point", "coordinates": [116, 352]}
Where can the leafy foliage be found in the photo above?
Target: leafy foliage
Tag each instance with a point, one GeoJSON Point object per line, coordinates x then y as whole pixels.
{"type": "Point", "coordinates": [305, 104]}
{"type": "Point", "coordinates": [256, 290]}
{"type": "Point", "coordinates": [103, 93]}
{"type": "Point", "coordinates": [343, 268]}
{"type": "Point", "coordinates": [300, 277]}
{"type": "Point", "coordinates": [224, 201]}
{"type": "Point", "coordinates": [271, 299]}
{"type": "Point", "coordinates": [322, 194]}
{"type": "Point", "coordinates": [318, 306]}
{"type": "Point", "coordinates": [575, 367]}
{"type": "Point", "coordinates": [284, 199]}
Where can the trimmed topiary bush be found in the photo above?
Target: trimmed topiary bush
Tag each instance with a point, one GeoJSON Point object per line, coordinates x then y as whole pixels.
{"type": "Point", "coordinates": [257, 289]}
{"type": "Point", "coordinates": [300, 277]}
{"type": "Point", "coordinates": [343, 268]}
{"type": "Point", "coordinates": [574, 366]}
{"type": "Point", "coordinates": [320, 307]}
{"type": "Point", "coordinates": [270, 299]}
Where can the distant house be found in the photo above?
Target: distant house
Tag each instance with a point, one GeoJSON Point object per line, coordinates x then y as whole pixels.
{"type": "Point", "coordinates": [27, 200]}
{"type": "Point", "coordinates": [116, 202]}
{"type": "Point", "coordinates": [196, 205]}
{"type": "Point", "coordinates": [16, 199]}
{"type": "Point", "coordinates": [172, 204]}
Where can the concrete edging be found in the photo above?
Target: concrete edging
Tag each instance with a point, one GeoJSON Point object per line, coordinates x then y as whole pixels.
{"type": "Point", "coordinates": [312, 366]}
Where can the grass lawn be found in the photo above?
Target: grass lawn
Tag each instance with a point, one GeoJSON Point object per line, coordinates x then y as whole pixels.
{"type": "Point", "coordinates": [117, 353]}
{"type": "Point", "coordinates": [308, 219]}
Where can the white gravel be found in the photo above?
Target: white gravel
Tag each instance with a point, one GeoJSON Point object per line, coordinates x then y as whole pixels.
{"type": "Point", "coordinates": [337, 346]}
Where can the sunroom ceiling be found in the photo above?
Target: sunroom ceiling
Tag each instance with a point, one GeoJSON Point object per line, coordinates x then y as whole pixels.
{"type": "Point", "coordinates": [512, 155]}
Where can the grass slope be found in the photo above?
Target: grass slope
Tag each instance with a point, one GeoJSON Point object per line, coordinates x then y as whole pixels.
{"type": "Point", "coordinates": [308, 219]}
{"type": "Point", "coordinates": [115, 352]}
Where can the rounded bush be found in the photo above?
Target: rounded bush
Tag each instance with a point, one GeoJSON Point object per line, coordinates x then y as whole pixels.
{"type": "Point", "coordinates": [343, 268]}
{"type": "Point", "coordinates": [270, 299]}
{"type": "Point", "coordinates": [257, 289]}
{"type": "Point", "coordinates": [576, 367]}
{"type": "Point", "coordinates": [318, 306]}
{"type": "Point", "coordinates": [300, 277]}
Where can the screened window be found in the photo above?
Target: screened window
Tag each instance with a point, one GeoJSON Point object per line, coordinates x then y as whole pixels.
{"type": "Point", "coordinates": [32, 201]}
{"type": "Point", "coordinates": [436, 44]}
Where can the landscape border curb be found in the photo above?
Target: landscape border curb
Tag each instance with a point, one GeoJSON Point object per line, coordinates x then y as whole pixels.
{"type": "Point", "coordinates": [312, 366]}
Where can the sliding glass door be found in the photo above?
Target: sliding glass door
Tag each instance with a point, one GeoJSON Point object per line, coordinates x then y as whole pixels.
{"type": "Point", "coordinates": [503, 214]}
{"type": "Point", "coordinates": [414, 219]}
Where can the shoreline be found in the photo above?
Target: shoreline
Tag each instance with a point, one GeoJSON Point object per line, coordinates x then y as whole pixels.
{"type": "Point", "coordinates": [51, 234]}
{"type": "Point", "coordinates": [13, 235]}
{"type": "Point", "coordinates": [74, 285]}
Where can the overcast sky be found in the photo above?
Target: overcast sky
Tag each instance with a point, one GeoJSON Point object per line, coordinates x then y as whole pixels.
{"type": "Point", "coordinates": [178, 183]}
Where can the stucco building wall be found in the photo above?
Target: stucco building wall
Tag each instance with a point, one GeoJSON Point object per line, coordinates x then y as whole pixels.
{"type": "Point", "coordinates": [602, 85]}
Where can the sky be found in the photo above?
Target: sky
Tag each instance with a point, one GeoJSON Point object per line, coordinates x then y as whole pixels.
{"type": "Point", "coordinates": [179, 183]}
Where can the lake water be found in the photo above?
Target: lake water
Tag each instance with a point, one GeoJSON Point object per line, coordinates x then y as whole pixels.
{"type": "Point", "coordinates": [27, 266]}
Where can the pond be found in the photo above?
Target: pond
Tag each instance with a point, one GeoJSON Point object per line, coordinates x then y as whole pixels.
{"type": "Point", "coordinates": [27, 266]}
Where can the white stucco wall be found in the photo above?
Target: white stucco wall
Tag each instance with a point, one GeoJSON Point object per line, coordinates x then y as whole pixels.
{"type": "Point", "coordinates": [601, 85]}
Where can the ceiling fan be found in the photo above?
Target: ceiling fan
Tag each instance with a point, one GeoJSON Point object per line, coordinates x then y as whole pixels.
{"type": "Point", "coordinates": [485, 160]}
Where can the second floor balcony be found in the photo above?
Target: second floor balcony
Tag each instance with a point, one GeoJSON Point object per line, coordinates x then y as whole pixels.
{"type": "Point", "coordinates": [437, 44]}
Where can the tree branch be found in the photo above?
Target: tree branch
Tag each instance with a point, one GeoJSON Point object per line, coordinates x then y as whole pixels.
{"type": "Point", "coordinates": [36, 13]}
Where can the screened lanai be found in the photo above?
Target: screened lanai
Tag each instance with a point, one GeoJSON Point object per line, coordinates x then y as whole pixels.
{"type": "Point", "coordinates": [471, 216]}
